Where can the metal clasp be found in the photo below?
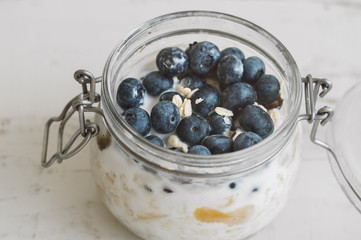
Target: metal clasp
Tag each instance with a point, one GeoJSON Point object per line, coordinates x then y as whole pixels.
{"type": "Point", "coordinates": [82, 103]}
{"type": "Point", "coordinates": [312, 87]}
{"type": "Point", "coordinates": [317, 117]}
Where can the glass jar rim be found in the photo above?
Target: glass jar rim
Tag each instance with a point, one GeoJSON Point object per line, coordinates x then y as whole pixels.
{"type": "Point", "coordinates": [200, 162]}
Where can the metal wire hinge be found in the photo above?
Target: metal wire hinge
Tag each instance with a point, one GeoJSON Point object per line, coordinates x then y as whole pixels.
{"type": "Point", "coordinates": [82, 103]}
{"type": "Point", "coordinates": [317, 117]}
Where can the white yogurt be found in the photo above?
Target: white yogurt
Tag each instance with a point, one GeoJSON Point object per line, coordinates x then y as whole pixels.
{"type": "Point", "coordinates": [156, 207]}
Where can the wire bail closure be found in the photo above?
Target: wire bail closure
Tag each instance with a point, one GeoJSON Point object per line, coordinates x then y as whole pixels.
{"type": "Point", "coordinates": [82, 103]}
{"type": "Point", "coordinates": [317, 117]}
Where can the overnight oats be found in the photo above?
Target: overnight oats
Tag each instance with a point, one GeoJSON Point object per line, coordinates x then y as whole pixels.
{"type": "Point", "coordinates": [200, 138]}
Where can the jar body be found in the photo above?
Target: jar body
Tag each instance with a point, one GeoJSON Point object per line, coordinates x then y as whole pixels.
{"type": "Point", "coordinates": [157, 205]}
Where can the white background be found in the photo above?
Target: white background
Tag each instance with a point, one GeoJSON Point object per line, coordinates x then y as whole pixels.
{"type": "Point", "coordinates": [43, 42]}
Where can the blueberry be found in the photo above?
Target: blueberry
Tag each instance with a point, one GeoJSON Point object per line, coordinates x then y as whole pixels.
{"type": "Point", "coordinates": [267, 88]}
{"type": "Point", "coordinates": [233, 51]}
{"type": "Point", "coordinates": [172, 61]}
{"type": "Point", "coordinates": [229, 69]}
{"type": "Point", "coordinates": [218, 144]}
{"type": "Point", "coordinates": [164, 117]}
{"type": "Point", "coordinates": [199, 149]}
{"type": "Point", "coordinates": [254, 119]}
{"type": "Point", "coordinates": [176, 149]}
{"type": "Point", "coordinates": [219, 124]}
{"type": "Point", "coordinates": [130, 93]}
{"type": "Point", "coordinates": [253, 68]}
{"type": "Point", "coordinates": [205, 100]}
{"type": "Point", "coordinates": [193, 129]}
{"type": "Point", "coordinates": [232, 185]}
{"type": "Point", "coordinates": [203, 57]}
{"type": "Point", "coordinates": [238, 95]}
{"type": "Point", "coordinates": [192, 81]}
{"type": "Point", "coordinates": [168, 96]}
{"type": "Point", "coordinates": [245, 140]}
{"type": "Point", "coordinates": [155, 83]}
{"type": "Point", "coordinates": [138, 119]}
{"type": "Point", "coordinates": [155, 139]}
{"type": "Point", "coordinates": [190, 48]}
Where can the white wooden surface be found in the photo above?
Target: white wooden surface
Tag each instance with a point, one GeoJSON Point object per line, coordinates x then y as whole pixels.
{"type": "Point", "coordinates": [43, 42]}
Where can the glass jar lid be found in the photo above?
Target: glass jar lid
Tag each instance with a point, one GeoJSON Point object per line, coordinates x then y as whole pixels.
{"type": "Point", "coordinates": [344, 137]}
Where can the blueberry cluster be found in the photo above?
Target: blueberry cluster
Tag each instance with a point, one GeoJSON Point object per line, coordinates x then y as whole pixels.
{"type": "Point", "coordinates": [215, 92]}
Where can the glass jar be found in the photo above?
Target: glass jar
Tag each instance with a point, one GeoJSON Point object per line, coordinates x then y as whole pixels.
{"type": "Point", "coordinates": [162, 194]}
